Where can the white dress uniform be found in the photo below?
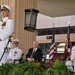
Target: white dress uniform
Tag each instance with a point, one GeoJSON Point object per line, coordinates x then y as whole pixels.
{"type": "Point", "coordinates": [5, 32]}
{"type": "Point", "coordinates": [70, 63]}
{"type": "Point", "coordinates": [14, 53]}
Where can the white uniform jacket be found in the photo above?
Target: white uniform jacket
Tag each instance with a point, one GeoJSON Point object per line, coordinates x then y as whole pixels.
{"type": "Point", "coordinates": [70, 63]}
{"type": "Point", "coordinates": [5, 31]}
{"type": "Point", "coordinates": [14, 53]}
{"type": "Point", "coordinates": [73, 53]}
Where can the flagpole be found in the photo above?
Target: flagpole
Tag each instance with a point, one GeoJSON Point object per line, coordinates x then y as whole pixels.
{"type": "Point", "coordinates": [67, 44]}
{"type": "Point", "coordinates": [69, 41]}
{"type": "Point", "coordinates": [52, 47]}
{"type": "Point", "coordinates": [0, 14]}
{"type": "Point", "coordinates": [54, 36]}
{"type": "Point", "coordinates": [53, 26]}
{"type": "Point", "coordinates": [69, 28]}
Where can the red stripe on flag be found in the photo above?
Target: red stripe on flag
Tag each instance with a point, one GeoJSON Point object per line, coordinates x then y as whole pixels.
{"type": "Point", "coordinates": [67, 46]}
{"type": "Point", "coordinates": [52, 48]}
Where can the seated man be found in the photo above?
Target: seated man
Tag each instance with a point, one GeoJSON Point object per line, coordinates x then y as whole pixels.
{"type": "Point", "coordinates": [71, 63]}
{"type": "Point", "coordinates": [35, 53]}
{"type": "Point", "coordinates": [14, 53]}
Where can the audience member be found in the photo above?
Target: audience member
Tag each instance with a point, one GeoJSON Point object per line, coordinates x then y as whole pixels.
{"type": "Point", "coordinates": [15, 53]}
{"type": "Point", "coordinates": [35, 53]}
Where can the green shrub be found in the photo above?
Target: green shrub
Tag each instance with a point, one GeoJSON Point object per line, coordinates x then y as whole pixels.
{"type": "Point", "coordinates": [58, 69]}
{"type": "Point", "coordinates": [31, 68]}
{"type": "Point", "coordinates": [5, 68]}
{"type": "Point", "coordinates": [27, 68]}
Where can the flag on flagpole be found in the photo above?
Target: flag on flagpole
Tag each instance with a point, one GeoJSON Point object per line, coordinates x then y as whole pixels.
{"type": "Point", "coordinates": [52, 48]}
{"type": "Point", "coordinates": [67, 45]}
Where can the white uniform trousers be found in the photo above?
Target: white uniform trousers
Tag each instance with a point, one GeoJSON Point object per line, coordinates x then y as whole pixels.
{"type": "Point", "coordinates": [4, 58]}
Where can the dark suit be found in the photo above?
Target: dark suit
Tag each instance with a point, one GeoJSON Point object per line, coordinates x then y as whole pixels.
{"type": "Point", "coordinates": [37, 56]}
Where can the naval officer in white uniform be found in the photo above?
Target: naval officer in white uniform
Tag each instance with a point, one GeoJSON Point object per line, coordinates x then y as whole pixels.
{"type": "Point", "coordinates": [6, 30]}
{"type": "Point", "coordinates": [14, 53]}
{"type": "Point", "coordinates": [71, 63]}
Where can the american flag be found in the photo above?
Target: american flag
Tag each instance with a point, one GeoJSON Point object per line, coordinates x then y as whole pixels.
{"type": "Point", "coordinates": [52, 48]}
{"type": "Point", "coordinates": [67, 45]}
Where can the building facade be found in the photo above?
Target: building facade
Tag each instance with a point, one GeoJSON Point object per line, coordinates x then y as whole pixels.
{"type": "Point", "coordinates": [45, 27]}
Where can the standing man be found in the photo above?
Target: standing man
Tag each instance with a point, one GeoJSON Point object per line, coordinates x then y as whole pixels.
{"type": "Point", "coordinates": [6, 30]}
{"type": "Point", "coordinates": [35, 53]}
{"type": "Point", "coordinates": [71, 63]}
{"type": "Point", "coordinates": [15, 53]}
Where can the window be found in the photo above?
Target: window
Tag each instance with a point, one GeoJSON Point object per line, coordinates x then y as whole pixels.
{"type": "Point", "coordinates": [64, 30]}
{"type": "Point", "coordinates": [72, 29]}
{"type": "Point", "coordinates": [42, 32]}
{"type": "Point", "coordinates": [57, 30]}
{"type": "Point", "coordinates": [46, 47]}
{"type": "Point", "coordinates": [60, 47]}
{"type": "Point", "coordinates": [60, 30]}
{"type": "Point", "coordinates": [50, 31]}
{"type": "Point", "coordinates": [42, 46]}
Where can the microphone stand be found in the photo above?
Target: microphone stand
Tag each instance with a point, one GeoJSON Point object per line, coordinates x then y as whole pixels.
{"type": "Point", "coordinates": [5, 48]}
{"type": "Point", "coordinates": [0, 14]}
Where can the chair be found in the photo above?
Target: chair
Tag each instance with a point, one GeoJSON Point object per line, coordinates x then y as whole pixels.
{"type": "Point", "coordinates": [20, 60]}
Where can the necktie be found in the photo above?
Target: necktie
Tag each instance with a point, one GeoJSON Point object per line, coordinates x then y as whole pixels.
{"type": "Point", "coordinates": [33, 53]}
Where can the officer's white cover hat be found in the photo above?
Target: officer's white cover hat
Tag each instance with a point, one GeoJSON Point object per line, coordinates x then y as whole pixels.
{"type": "Point", "coordinates": [16, 41]}
{"type": "Point", "coordinates": [5, 7]}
